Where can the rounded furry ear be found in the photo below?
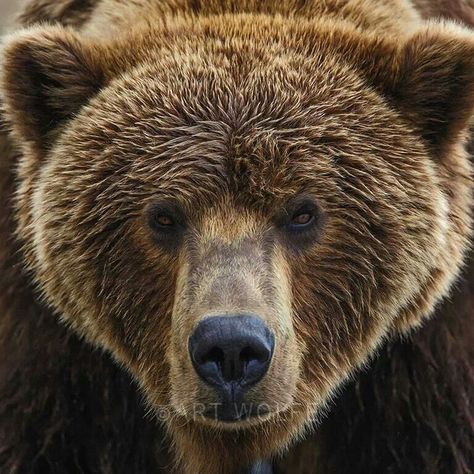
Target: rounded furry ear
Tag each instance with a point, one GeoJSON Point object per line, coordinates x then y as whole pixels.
{"type": "Point", "coordinates": [48, 74]}
{"type": "Point", "coordinates": [434, 83]}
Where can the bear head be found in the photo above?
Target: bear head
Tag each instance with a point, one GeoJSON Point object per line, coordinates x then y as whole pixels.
{"type": "Point", "coordinates": [242, 208]}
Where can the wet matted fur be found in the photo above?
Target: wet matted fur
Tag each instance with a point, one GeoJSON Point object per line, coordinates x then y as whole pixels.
{"type": "Point", "coordinates": [64, 405]}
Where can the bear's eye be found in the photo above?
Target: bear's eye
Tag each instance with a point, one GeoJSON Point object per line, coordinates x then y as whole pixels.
{"type": "Point", "coordinates": [302, 218]}
{"type": "Point", "coordinates": [160, 221]}
{"type": "Point", "coordinates": [164, 220]}
{"type": "Point", "coordinates": [302, 222]}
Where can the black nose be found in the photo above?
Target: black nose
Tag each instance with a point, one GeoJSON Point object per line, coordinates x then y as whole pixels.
{"type": "Point", "coordinates": [226, 349]}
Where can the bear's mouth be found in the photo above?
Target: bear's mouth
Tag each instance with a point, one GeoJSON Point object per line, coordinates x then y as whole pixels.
{"type": "Point", "coordinates": [233, 406]}
{"type": "Point", "coordinates": [235, 412]}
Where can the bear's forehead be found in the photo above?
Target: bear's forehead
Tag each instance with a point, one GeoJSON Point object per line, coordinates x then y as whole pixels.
{"type": "Point", "coordinates": [253, 164]}
{"type": "Point", "coordinates": [194, 123]}
{"type": "Point", "coordinates": [202, 160]}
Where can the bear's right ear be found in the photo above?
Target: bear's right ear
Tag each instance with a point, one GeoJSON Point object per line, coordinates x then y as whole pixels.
{"type": "Point", "coordinates": [432, 83]}
{"type": "Point", "coordinates": [48, 74]}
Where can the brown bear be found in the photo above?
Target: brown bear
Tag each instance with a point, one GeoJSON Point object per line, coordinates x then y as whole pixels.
{"type": "Point", "coordinates": [229, 233]}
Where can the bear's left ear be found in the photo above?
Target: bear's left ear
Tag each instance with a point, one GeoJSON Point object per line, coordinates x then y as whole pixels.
{"type": "Point", "coordinates": [48, 74]}
{"type": "Point", "coordinates": [433, 83]}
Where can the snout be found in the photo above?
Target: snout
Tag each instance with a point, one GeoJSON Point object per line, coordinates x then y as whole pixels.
{"type": "Point", "coordinates": [232, 354]}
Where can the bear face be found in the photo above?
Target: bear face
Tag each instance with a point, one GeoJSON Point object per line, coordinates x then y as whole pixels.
{"type": "Point", "coordinates": [323, 192]}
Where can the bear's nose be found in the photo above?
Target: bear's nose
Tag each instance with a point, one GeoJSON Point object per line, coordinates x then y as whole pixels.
{"type": "Point", "coordinates": [226, 349]}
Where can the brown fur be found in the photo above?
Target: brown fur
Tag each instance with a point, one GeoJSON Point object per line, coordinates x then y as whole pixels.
{"type": "Point", "coordinates": [359, 104]}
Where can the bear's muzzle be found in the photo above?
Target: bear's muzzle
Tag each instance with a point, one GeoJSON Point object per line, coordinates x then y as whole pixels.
{"type": "Point", "coordinates": [231, 354]}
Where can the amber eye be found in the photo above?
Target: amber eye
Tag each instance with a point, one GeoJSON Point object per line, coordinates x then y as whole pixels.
{"type": "Point", "coordinates": [167, 223]}
{"type": "Point", "coordinates": [302, 218]}
{"type": "Point", "coordinates": [301, 222]}
{"type": "Point", "coordinates": [165, 218]}
{"type": "Point", "coordinates": [164, 221]}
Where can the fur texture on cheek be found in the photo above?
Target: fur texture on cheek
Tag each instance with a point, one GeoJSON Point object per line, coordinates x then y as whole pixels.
{"type": "Point", "coordinates": [350, 294]}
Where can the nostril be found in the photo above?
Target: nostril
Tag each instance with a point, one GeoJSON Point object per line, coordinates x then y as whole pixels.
{"type": "Point", "coordinates": [249, 354]}
{"type": "Point", "coordinates": [216, 355]}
